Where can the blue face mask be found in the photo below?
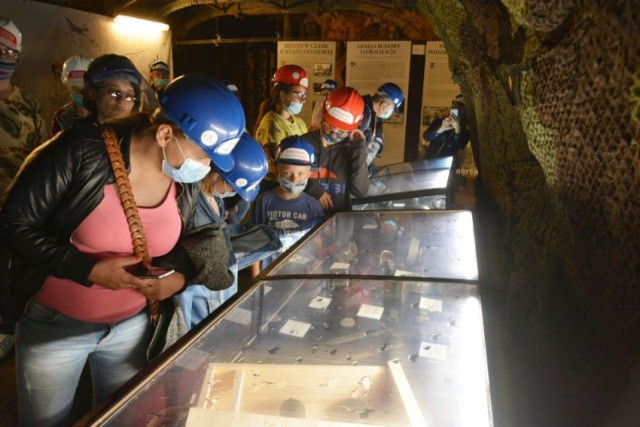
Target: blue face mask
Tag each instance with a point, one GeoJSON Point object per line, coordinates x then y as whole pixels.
{"type": "Point", "coordinates": [292, 187]}
{"type": "Point", "coordinates": [76, 98]}
{"type": "Point", "coordinates": [190, 171]}
{"type": "Point", "coordinates": [7, 68]}
{"type": "Point", "coordinates": [294, 108]}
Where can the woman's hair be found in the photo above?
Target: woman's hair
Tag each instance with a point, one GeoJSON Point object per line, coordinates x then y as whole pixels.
{"type": "Point", "coordinates": [270, 103]}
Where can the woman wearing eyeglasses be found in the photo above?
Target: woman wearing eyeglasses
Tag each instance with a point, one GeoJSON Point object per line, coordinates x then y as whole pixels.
{"type": "Point", "coordinates": [278, 115]}
{"type": "Point", "coordinates": [22, 128]}
{"type": "Point", "coordinates": [111, 88]}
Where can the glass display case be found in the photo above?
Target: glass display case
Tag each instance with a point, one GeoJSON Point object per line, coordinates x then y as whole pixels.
{"type": "Point", "coordinates": [422, 184]}
{"type": "Point", "coordinates": [382, 341]}
{"type": "Point", "coordinates": [426, 244]}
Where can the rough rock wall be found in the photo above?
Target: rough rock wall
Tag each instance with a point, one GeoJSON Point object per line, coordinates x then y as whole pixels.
{"type": "Point", "coordinates": [555, 103]}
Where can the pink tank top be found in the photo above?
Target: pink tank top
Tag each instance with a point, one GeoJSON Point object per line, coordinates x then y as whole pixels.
{"type": "Point", "coordinates": [104, 233]}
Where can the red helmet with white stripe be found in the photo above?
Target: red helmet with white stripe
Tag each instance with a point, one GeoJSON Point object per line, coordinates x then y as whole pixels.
{"type": "Point", "coordinates": [10, 35]}
{"type": "Point", "coordinates": [291, 74]}
{"type": "Point", "coordinates": [344, 108]}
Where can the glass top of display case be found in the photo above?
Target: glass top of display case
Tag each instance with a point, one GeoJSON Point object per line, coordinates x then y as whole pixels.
{"type": "Point", "coordinates": [416, 166]}
{"type": "Point", "coordinates": [428, 244]}
{"type": "Point", "coordinates": [325, 352]}
{"type": "Point", "coordinates": [408, 180]}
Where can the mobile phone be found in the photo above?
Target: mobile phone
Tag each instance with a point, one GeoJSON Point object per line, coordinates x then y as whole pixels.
{"type": "Point", "coordinates": [454, 111]}
{"type": "Point", "coordinates": [157, 273]}
{"type": "Point", "coordinates": [139, 270]}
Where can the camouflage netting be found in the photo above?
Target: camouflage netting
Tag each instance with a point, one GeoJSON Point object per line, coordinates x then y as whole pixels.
{"type": "Point", "coordinates": [555, 89]}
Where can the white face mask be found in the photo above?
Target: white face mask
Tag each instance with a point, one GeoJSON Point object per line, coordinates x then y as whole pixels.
{"type": "Point", "coordinates": [387, 114]}
{"type": "Point", "coordinates": [292, 187]}
{"type": "Point", "coordinates": [189, 172]}
{"type": "Point", "coordinates": [225, 194]}
{"type": "Point", "coordinates": [219, 195]}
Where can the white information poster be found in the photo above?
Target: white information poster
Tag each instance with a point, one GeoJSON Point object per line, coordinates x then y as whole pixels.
{"type": "Point", "coordinates": [372, 63]}
{"type": "Point", "coordinates": [319, 61]}
{"type": "Point", "coordinates": [51, 34]}
{"type": "Point", "coordinates": [439, 88]}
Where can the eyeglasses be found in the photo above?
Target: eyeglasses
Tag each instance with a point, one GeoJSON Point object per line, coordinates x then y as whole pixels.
{"type": "Point", "coordinates": [118, 94]}
{"type": "Point", "coordinates": [7, 53]}
{"type": "Point", "coordinates": [300, 95]}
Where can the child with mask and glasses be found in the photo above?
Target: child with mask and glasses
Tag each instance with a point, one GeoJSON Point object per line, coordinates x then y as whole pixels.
{"type": "Point", "coordinates": [278, 115]}
{"type": "Point", "coordinates": [339, 146]}
{"type": "Point", "coordinates": [22, 129]}
{"type": "Point", "coordinates": [287, 208]}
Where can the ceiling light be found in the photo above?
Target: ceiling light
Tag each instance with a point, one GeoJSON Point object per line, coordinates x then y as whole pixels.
{"type": "Point", "coordinates": [140, 24]}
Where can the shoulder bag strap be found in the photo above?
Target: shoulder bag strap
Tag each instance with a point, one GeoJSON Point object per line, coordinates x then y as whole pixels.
{"type": "Point", "coordinates": [130, 208]}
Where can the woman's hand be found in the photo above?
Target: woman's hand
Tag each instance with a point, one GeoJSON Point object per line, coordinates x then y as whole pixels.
{"type": "Point", "coordinates": [455, 123]}
{"type": "Point", "coordinates": [447, 124]}
{"type": "Point", "coordinates": [325, 201]}
{"type": "Point", "coordinates": [111, 274]}
{"type": "Point", "coordinates": [160, 289]}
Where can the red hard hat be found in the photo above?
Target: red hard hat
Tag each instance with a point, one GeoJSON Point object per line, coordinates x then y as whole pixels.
{"type": "Point", "coordinates": [344, 108]}
{"type": "Point", "coordinates": [291, 74]}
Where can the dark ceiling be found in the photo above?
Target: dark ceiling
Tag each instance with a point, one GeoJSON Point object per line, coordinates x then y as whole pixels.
{"type": "Point", "coordinates": [205, 18]}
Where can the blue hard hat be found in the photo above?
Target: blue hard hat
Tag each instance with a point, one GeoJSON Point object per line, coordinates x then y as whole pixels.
{"type": "Point", "coordinates": [394, 92]}
{"type": "Point", "coordinates": [329, 84]}
{"type": "Point", "coordinates": [250, 166]}
{"type": "Point", "coordinates": [294, 150]}
{"type": "Point", "coordinates": [159, 65]}
{"type": "Point", "coordinates": [207, 112]}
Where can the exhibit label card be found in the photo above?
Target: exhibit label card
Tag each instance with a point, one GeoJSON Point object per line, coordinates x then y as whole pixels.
{"type": "Point", "coordinates": [430, 304]}
{"type": "Point", "coordinates": [433, 351]}
{"type": "Point", "coordinates": [370, 311]}
{"type": "Point", "coordinates": [295, 328]}
{"type": "Point", "coordinates": [321, 303]}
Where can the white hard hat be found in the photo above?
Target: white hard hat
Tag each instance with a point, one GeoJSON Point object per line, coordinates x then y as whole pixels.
{"type": "Point", "coordinates": [73, 70]}
{"type": "Point", "coordinates": [10, 35]}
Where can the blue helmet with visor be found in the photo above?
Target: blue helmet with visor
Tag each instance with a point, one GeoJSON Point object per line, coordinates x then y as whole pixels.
{"type": "Point", "coordinates": [249, 168]}
{"type": "Point", "coordinates": [208, 113]}
{"type": "Point", "coordinates": [394, 92]}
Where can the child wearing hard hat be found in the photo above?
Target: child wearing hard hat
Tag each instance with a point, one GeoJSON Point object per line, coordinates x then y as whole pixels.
{"type": "Point", "coordinates": [339, 146]}
{"type": "Point", "coordinates": [286, 208]}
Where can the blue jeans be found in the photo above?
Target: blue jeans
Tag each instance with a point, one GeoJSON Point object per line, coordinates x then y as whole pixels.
{"type": "Point", "coordinates": [52, 349]}
{"type": "Point", "coordinates": [197, 301]}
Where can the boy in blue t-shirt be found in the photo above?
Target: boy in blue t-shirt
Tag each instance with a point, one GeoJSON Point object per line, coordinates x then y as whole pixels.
{"type": "Point", "coordinates": [286, 208]}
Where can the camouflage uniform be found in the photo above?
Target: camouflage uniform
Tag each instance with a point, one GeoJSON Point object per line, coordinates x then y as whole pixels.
{"type": "Point", "coordinates": [22, 128]}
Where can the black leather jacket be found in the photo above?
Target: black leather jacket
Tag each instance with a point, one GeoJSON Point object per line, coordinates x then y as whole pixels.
{"type": "Point", "coordinates": [58, 186]}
